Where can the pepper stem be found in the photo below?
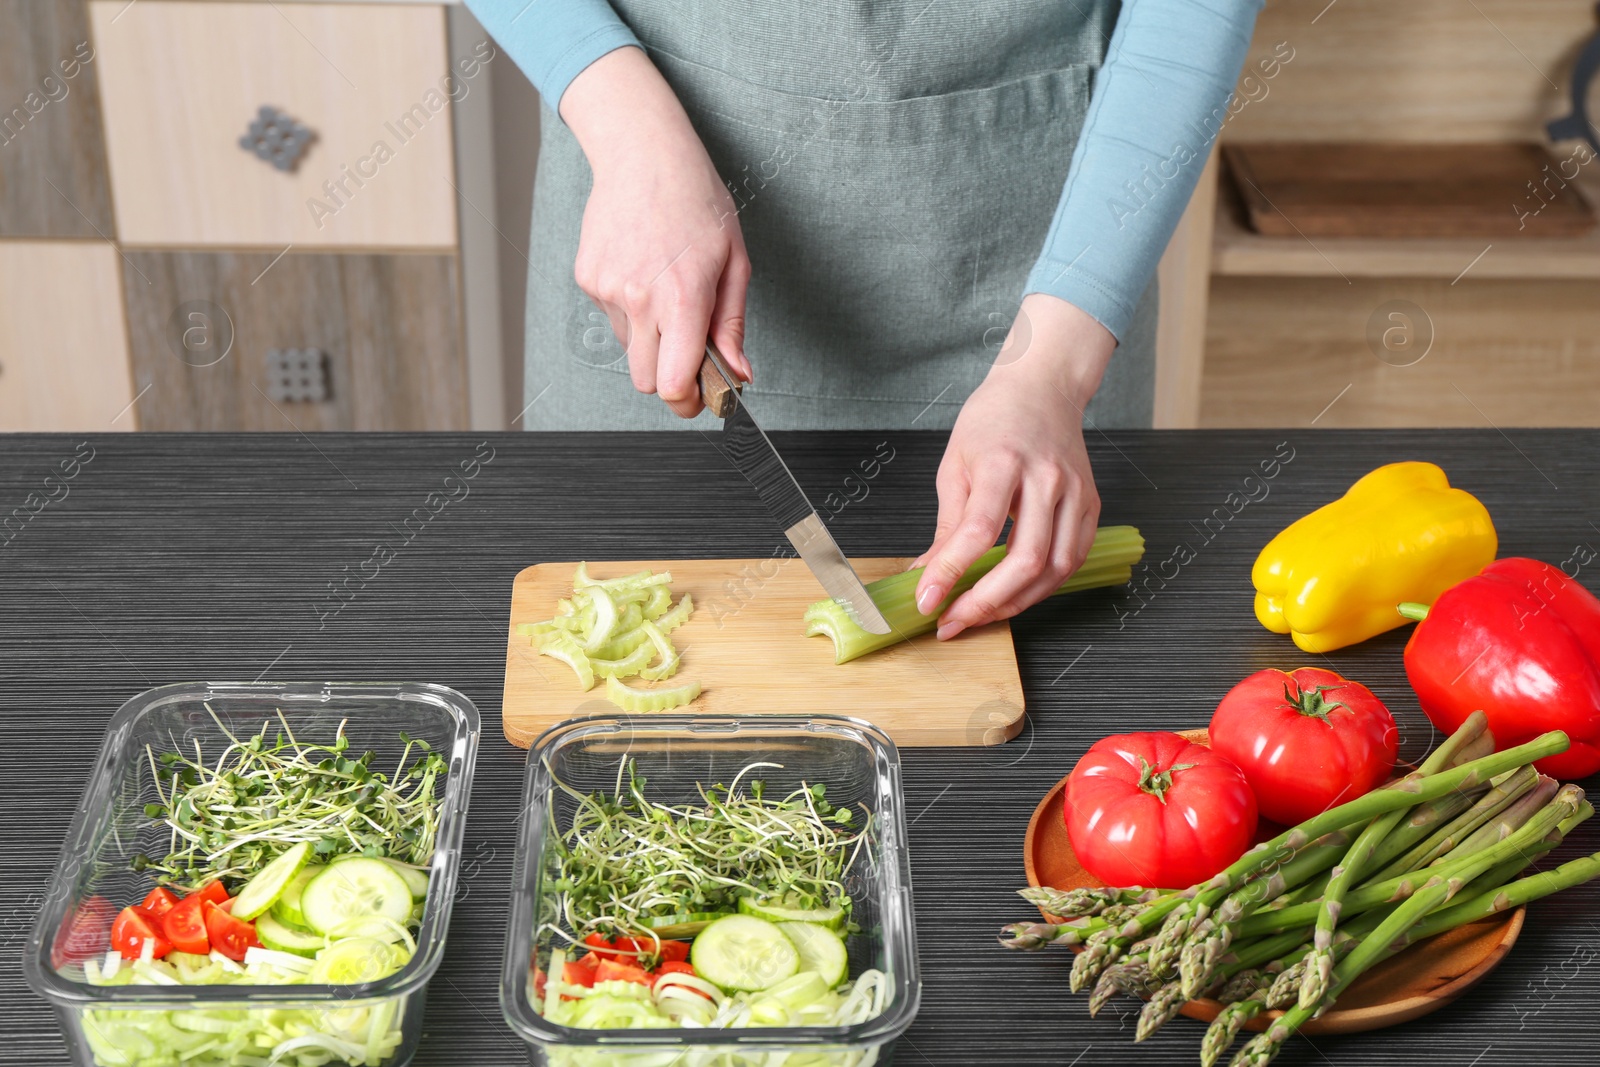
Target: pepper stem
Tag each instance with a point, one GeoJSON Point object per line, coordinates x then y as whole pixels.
{"type": "Point", "coordinates": [1412, 610]}
{"type": "Point", "coordinates": [1155, 782]}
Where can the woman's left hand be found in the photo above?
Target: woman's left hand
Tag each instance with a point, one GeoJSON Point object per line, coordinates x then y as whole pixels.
{"type": "Point", "coordinates": [1017, 449]}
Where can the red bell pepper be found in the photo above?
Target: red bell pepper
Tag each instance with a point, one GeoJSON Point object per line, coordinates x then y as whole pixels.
{"type": "Point", "coordinates": [1521, 641]}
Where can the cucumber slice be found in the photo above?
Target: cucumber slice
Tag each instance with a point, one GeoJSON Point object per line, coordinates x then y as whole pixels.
{"type": "Point", "coordinates": [416, 877]}
{"type": "Point", "coordinates": [262, 891]}
{"type": "Point", "coordinates": [353, 961]}
{"type": "Point", "coordinates": [741, 952]}
{"type": "Point", "coordinates": [801, 989]}
{"type": "Point", "coordinates": [820, 950]}
{"type": "Point", "coordinates": [275, 935]}
{"type": "Point", "coordinates": [776, 911]}
{"type": "Point", "coordinates": [684, 923]}
{"type": "Point", "coordinates": [354, 889]}
{"type": "Point", "coordinates": [287, 909]}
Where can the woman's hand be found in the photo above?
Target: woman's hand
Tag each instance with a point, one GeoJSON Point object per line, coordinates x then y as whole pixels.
{"type": "Point", "coordinates": [661, 252]}
{"type": "Point", "coordinates": [1017, 449]}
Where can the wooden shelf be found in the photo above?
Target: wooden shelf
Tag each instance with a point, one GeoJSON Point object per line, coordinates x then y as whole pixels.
{"type": "Point", "coordinates": [1238, 250]}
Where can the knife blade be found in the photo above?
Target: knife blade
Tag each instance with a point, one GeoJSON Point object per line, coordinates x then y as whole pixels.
{"type": "Point", "coordinates": [746, 446]}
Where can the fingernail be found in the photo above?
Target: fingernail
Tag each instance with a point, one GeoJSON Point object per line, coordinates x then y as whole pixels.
{"type": "Point", "coordinates": [929, 599]}
{"type": "Point", "coordinates": [949, 630]}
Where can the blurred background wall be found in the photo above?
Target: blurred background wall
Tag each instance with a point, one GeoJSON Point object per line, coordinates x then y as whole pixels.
{"type": "Point", "coordinates": [174, 258]}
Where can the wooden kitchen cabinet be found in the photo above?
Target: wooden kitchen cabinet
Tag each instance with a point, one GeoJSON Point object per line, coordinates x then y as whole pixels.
{"type": "Point", "coordinates": [202, 324]}
{"type": "Point", "coordinates": [183, 81]}
{"type": "Point", "coordinates": [63, 350]}
{"type": "Point", "coordinates": [52, 154]}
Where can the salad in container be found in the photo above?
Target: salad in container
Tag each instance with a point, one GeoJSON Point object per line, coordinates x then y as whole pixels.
{"type": "Point", "coordinates": [259, 875]}
{"type": "Point", "coordinates": [712, 890]}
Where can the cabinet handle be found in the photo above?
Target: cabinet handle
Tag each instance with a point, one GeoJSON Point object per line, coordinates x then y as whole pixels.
{"type": "Point", "coordinates": [277, 138]}
{"type": "Point", "coordinates": [297, 375]}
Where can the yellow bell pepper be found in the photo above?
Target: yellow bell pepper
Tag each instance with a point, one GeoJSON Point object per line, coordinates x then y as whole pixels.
{"type": "Point", "coordinates": [1401, 533]}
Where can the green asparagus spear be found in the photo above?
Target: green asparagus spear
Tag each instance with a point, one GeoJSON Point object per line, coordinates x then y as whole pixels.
{"type": "Point", "coordinates": [1406, 792]}
{"type": "Point", "coordinates": [1082, 903]}
{"type": "Point", "coordinates": [1261, 1050]}
{"type": "Point", "coordinates": [1506, 790]}
{"type": "Point", "coordinates": [1358, 860]}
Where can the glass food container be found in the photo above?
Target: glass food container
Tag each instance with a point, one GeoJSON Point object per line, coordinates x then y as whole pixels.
{"type": "Point", "coordinates": [675, 754]}
{"type": "Point", "coordinates": [145, 1025]}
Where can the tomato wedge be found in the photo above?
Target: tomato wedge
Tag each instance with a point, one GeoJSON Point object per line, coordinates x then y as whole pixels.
{"type": "Point", "coordinates": [212, 891]}
{"type": "Point", "coordinates": [185, 925]}
{"type": "Point", "coordinates": [675, 967]}
{"type": "Point", "coordinates": [578, 973]}
{"type": "Point", "coordinates": [132, 929]}
{"type": "Point", "coordinates": [83, 934]}
{"type": "Point", "coordinates": [159, 901]}
{"type": "Point", "coordinates": [228, 935]}
{"type": "Point", "coordinates": [613, 971]}
{"type": "Point", "coordinates": [674, 952]}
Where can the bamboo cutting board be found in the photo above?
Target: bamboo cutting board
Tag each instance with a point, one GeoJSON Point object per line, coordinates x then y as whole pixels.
{"type": "Point", "coordinates": [744, 645]}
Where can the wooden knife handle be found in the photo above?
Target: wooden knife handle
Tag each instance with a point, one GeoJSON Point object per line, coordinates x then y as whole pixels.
{"type": "Point", "coordinates": [714, 391]}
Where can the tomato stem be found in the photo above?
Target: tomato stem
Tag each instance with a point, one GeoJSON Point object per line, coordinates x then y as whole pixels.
{"type": "Point", "coordinates": [1155, 782]}
{"type": "Point", "coordinates": [1310, 702]}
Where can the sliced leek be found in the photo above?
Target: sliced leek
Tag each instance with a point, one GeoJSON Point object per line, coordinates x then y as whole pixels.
{"type": "Point", "coordinates": [642, 701]}
{"type": "Point", "coordinates": [616, 628]}
{"type": "Point", "coordinates": [1110, 562]}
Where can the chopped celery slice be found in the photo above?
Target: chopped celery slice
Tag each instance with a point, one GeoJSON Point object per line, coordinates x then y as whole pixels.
{"type": "Point", "coordinates": [665, 669]}
{"type": "Point", "coordinates": [658, 603]}
{"type": "Point", "coordinates": [625, 644]}
{"type": "Point", "coordinates": [1110, 562]}
{"type": "Point", "coordinates": [605, 619]}
{"type": "Point", "coordinates": [637, 580]}
{"type": "Point", "coordinates": [615, 628]}
{"type": "Point", "coordinates": [562, 647]}
{"type": "Point", "coordinates": [626, 667]}
{"type": "Point", "coordinates": [677, 616]}
{"type": "Point", "coordinates": [643, 701]}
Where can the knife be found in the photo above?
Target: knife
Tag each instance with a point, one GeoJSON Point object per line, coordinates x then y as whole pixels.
{"type": "Point", "coordinates": [751, 453]}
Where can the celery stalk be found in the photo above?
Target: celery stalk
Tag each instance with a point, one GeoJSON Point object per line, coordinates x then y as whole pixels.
{"type": "Point", "coordinates": [1110, 562]}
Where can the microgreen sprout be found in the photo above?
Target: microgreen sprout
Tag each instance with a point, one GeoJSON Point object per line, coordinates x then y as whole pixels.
{"type": "Point", "coordinates": [260, 797]}
{"type": "Point", "coordinates": [628, 863]}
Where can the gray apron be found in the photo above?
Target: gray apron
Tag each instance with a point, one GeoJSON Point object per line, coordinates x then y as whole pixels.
{"type": "Point", "coordinates": [895, 163]}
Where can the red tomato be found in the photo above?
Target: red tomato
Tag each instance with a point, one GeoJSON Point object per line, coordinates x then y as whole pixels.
{"type": "Point", "coordinates": [674, 951]}
{"type": "Point", "coordinates": [613, 971]}
{"type": "Point", "coordinates": [83, 934]}
{"type": "Point", "coordinates": [135, 926]}
{"type": "Point", "coordinates": [185, 925]}
{"type": "Point", "coordinates": [212, 891]}
{"type": "Point", "coordinates": [577, 972]}
{"type": "Point", "coordinates": [228, 935]}
{"type": "Point", "coordinates": [1306, 740]}
{"type": "Point", "coordinates": [159, 901]}
{"type": "Point", "coordinates": [675, 967]}
{"type": "Point", "coordinates": [1157, 810]}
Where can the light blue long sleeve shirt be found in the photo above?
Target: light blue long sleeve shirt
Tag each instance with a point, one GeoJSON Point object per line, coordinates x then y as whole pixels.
{"type": "Point", "coordinates": [1159, 101]}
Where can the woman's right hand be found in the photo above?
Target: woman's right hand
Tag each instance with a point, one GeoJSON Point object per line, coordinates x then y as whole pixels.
{"type": "Point", "coordinates": [661, 252]}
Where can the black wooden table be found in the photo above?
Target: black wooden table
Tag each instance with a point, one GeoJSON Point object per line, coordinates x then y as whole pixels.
{"type": "Point", "coordinates": [171, 558]}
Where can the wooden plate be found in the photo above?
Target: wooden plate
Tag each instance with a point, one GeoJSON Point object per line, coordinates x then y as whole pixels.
{"type": "Point", "coordinates": [1423, 978]}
